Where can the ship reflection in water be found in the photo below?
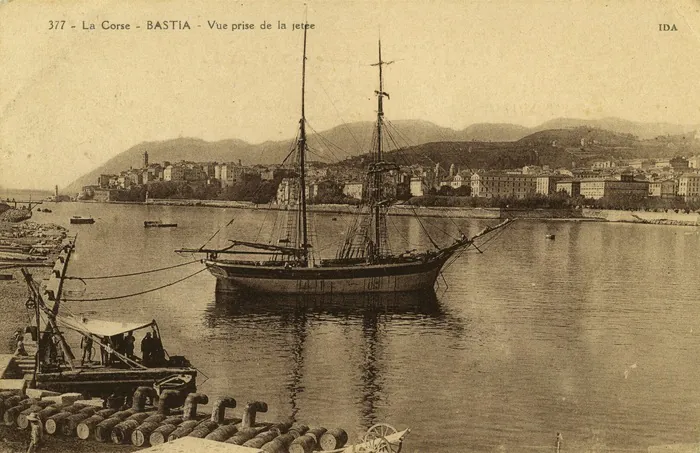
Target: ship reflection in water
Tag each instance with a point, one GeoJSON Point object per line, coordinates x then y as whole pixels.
{"type": "Point", "coordinates": [370, 315]}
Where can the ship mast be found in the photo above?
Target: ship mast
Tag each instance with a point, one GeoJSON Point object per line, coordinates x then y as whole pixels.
{"type": "Point", "coordinates": [301, 147]}
{"type": "Point", "coordinates": [378, 178]}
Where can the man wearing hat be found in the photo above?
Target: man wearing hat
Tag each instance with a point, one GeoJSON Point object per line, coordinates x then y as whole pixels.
{"type": "Point", "coordinates": [37, 433]}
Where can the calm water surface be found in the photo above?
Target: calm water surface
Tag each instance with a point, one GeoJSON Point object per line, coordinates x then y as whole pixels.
{"type": "Point", "coordinates": [594, 335]}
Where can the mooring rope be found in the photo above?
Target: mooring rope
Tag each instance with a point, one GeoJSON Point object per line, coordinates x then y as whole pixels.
{"type": "Point", "coordinates": [133, 273]}
{"type": "Point", "coordinates": [136, 294]}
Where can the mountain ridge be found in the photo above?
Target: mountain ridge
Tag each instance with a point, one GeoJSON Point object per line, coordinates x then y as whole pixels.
{"type": "Point", "coordinates": [352, 139]}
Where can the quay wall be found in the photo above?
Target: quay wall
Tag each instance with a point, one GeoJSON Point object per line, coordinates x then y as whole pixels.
{"type": "Point", "coordinates": [659, 218]}
{"type": "Point", "coordinates": [399, 210]}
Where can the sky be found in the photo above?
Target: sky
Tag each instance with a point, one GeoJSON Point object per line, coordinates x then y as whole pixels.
{"type": "Point", "coordinates": [70, 99]}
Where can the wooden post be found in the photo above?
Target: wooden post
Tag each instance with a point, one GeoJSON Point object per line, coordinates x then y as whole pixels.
{"type": "Point", "coordinates": [558, 444]}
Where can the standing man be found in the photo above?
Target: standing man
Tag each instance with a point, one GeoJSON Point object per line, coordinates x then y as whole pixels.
{"type": "Point", "coordinates": [86, 345]}
{"type": "Point", "coordinates": [37, 434]}
{"type": "Point", "coordinates": [129, 342]}
{"type": "Point", "coordinates": [147, 349]}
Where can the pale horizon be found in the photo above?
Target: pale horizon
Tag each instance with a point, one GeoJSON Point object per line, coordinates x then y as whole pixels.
{"type": "Point", "coordinates": [73, 99]}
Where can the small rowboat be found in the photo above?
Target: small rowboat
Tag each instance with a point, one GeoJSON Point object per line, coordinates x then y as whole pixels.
{"type": "Point", "coordinates": [78, 220]}
{"type": "Point", "coordinates": [158, 224]}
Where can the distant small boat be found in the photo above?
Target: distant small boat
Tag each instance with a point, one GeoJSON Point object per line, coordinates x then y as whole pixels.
{"type": "Point", "coordinates": [550, 236]}
{"type": "Point", "coordinates": [76, 220]}
{"type": "Point", "coordinates": [157, 224]}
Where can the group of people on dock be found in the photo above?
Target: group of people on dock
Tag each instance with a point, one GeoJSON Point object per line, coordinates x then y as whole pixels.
{"type": "Point", "coordinates": [111, 348]}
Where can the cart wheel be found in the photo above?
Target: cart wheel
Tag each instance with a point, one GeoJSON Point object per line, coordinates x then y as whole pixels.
{"type": "Point", "coordinates": [380, 431]}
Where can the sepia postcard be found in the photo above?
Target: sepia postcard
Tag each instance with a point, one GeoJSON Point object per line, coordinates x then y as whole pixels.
{"type": "Point", "coordinates": [350, 225]}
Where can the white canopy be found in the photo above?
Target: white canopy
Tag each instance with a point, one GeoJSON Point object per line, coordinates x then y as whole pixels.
{"type": "Point", "coordinates": [99, 327]}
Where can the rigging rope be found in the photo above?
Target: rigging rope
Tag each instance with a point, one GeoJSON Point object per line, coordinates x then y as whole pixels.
{"type": "Point", "coordinates": [99, 299]}
{"type": "Point", "coordinates": [133, 273]}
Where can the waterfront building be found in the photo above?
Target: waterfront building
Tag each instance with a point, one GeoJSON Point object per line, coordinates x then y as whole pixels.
{"type": "Point", "coordinates": [689, 186]}
{"type": "Point", "coordinates": [416, 186]}
{"type": "Point", "coordinates": [490, 185]}
{"type": "Point", "coordinates": [353, 190]}
{"type": "Point", "coordinates": [663, 188]}
{"type": "Point", "coordinates": [547, 185]}
{"type": "Point", "coordinates": [570, 186]}
{"type": "Point", "coordinates": [625, 185]}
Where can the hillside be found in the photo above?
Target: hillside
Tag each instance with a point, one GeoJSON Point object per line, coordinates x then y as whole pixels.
{"type": "Point", "coordinates": [642, 131]}
{"type": "Point", "coordinates": [333, 145]}
{"type": "Point", "coordinates": [537, 149]}
{"type": "Point", "coordinates": [349, 140]}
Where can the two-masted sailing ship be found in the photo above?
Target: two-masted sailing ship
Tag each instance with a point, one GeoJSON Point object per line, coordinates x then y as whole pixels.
{"type": "Point", "coordinates": [364, 264]}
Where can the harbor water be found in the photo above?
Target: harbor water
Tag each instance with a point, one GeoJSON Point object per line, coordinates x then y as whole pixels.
{"type": "Point", "coordinates": [593, 335]}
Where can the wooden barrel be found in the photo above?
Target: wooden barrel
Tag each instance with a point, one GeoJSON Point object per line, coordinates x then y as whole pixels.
{"type": "Point", "coordinates": [53, 423]}
{"type": "Point", "coordinates": [41, 415]}
{"type": "Point", "coordinates": [157, 418]}
{"type": "Point", "coordinates": [333, 439]}
{"type": "Point", "coordinates": [139, 437]}
{"type": "Point", "coordinates": [222, 433]}
{"type": "Point", "coordinates": [86, 428]}
{"type": "Point", "coordinates": [105, 413]}
{"type": "Point", "coordinates": [298, 429]}
{"type": "Point", "coordinates": [173, 420]}
{"type": "Point", "coordinates": [303, 444]}
{"type": "Point", "coordinates": [160, 435]}
{"type": "Point", "coordinates": [243, 435]}
{"type": "Point", "coordinates": [281, 427]}
{"type": "Point", "coordinates": [260, 440]}
{"type": "Point", "coordinates": [275, 446]}
{"type": "Point", "coordinates": [183, 430]}
{"type": "Point", "coordinates": [10, 415]}
{"type": "Point", "coordinates": [317, 432]}
{"type": "Point", "coordinates": [140, 417]}
{"type": "Point", "coordinates": [21, 420]}
{"type": "Point", "coordinates": [121, 433]}
{"type": "Point", "coordinates": [69, 425]}
{"type": "Point", "coordinates": [103, 430]}
{"type": "Point", "coordinates": [204, 428]}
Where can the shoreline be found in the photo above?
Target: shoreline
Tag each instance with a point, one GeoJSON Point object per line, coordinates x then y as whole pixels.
{"type": "Point", "coordinates": [579, 215]}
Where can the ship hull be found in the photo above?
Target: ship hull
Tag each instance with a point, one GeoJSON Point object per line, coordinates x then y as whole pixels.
{"type": "Point", "coordinates": [380, 278]}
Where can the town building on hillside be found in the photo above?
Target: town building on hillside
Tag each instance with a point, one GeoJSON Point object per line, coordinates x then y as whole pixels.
{"type": "Point", "coordinates": [547, 185]}
{"type": "Point", "coordinates": [679, 163]}
{"type": "Point", "coordinates": [174, 173]}
{"type": "Point", "coordinates": [457, 181]}
{"type": "Point", "coordinates": [570, 186]}
{"type": "Point", "coordinates": [353, 190]}
{"type": "Point", "coordinates": [490, 185]}
{"type": "Point", "coordinates": [417, 186]}
{"type": "Point", "coordinates": [625, 185]}
{"type": "Point", "coordinates": [663, 188]}
{"type": "Point", "coordinates": [604, 164]}
{"type": "Point", "coordinates": [107, 181]}
{"type": "Point", "coordinates": [689, 186]}
{"type": "Point", "coordinates": [284, 191]}
{"type": "Point", "coordinates": [694, 162]}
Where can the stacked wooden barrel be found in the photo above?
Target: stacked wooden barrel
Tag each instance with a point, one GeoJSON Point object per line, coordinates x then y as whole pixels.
{"type": "Point", "coordinates": [143, 425]}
